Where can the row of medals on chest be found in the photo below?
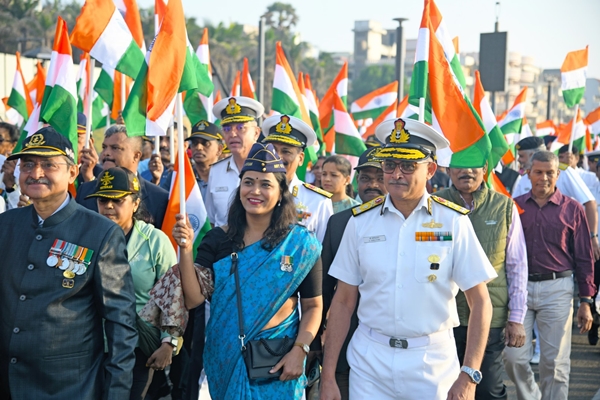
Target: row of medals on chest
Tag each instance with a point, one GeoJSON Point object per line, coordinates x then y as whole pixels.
{"type": "Point", "coordinates": [68, 257]}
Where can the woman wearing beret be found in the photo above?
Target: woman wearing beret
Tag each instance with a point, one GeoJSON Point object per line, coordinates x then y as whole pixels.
{"type": "Point", "coordinates": [150, 255]}
{"type": "Point", "coordinates": [277, 260]}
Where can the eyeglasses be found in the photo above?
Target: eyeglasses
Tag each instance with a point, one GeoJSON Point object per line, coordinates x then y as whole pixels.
{"type": "Point", "coordinates": [47, 166]}
{"type": "Point", "coordinates": [406, 167]}
{"type": "Point", "coordinates": [240, 128]}
{"type": "Point", "coordinates": [368, 179]}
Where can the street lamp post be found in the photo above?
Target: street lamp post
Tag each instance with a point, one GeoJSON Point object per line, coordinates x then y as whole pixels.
{"type": "Point", "coordinates": [261, 60]}
{"type": "Point", "coordinates": [400, 57]}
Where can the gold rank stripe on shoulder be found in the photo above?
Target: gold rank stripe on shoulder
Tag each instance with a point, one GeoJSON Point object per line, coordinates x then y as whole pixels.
{"type": "Point", "coordinates": [318, 190]}
{"type": "Point", "coordinates": [562, 166]}
{"type": "Point", "coordinates": [369, 205]}
{"type": "Point", "coordinates": [450, 205]}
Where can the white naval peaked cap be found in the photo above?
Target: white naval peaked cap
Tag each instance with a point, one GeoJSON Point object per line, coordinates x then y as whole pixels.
{"type": "Point", "coordinates": [283, 128]}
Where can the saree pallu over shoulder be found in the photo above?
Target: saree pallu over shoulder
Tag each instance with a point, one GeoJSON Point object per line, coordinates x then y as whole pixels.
{"type": "Point", "coordinates": [265, 285]}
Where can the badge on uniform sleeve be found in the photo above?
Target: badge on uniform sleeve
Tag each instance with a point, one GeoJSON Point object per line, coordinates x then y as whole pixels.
{"type": "Point", "coordinates": [287, 262]}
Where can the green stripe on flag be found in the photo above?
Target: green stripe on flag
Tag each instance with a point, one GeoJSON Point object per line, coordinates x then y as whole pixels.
{"type": "Point", "coordinates": [105, 87]}
{"type": "Point", "coordinates": [512, 126]}
{"type": "Point", "coordinates": [475, 156]}
{"type": "Point", "coordinates": [372, 113]}
{"type": "Point", "coordinates": [284, 104]}
{"type": "Point", "coordinates": [60, 112]}
{"type": "Point", "coordinates": [573, 96]}
{"type": "Point", "coordinates": [349, 145]}
{"type": "Point", "coordinates": [194, 109]}
{"type": "Point", "coordinates": [134, 112]}
{"type": "Point", "coordinates": [16, 101]}
{"type": "Point", "coordinates": [132, 60]}
{"type": "Point", "coordinates": [418, 83]}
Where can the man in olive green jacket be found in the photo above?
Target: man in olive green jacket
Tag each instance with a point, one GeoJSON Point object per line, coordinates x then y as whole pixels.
{"type": "Point", "coordinates": [498, 227]}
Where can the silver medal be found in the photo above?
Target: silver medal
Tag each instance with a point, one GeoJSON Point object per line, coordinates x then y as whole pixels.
{"type": "Point", "coordinates": [80, 269]}
{"type": "Point", "coordinates": [64, 263]}
{"type": "Point", "coordinates": [52, 261]}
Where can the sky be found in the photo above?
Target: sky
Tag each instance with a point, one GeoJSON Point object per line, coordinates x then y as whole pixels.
{"type": "Point", "coordinates": [543, 29]}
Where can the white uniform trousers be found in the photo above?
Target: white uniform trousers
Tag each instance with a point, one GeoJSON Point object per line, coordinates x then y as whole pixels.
{"type": "Point", "coordinates": [550, 303]}
{"type": "Point", "coordinates": [378, 371]}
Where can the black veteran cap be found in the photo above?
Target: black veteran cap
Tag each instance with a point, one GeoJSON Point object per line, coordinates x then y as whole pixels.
{"type": "Point", "coordinates": [81, 123]}
{"type": "Point", "coordinates": [115, 183]}
{"type": "Point", "coordinates": [288, 130]}
{"type": "Point", "coordinates": [408, 140]}
{"type": "Point", "coordinates": [372, 141]}
{"type": "Point", "coordinates": [237, 109]}
{"type": "Point", "coordinates": [530, 143]}
{"type": "Point", "coordinates": [263, 158]}
{"type": "Point", "coordinates": [206, 130]}
{"type": "Point", "coordinates": [47, 143]}
{"type": "Point", "coordinates": [367, 159]}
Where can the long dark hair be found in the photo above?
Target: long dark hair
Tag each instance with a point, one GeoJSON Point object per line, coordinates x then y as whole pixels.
{"type": "Point", "coordinates": [142, 213]}
{"type": "Point", "coordinates": [282, 219]}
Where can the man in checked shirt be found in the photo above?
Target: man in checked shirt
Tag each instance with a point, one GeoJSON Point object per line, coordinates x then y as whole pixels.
{"type": "Point", "coordinates": [498, 227]}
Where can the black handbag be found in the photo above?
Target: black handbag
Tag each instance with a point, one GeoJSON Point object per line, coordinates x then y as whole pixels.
{"type": "Point", "coordinates": [263, 354]}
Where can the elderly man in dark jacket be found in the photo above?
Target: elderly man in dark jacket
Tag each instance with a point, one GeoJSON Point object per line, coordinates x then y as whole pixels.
{"type": "Point", "coordinates": [66, 283]}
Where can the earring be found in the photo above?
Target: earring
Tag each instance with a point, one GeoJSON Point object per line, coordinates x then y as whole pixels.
{"type": "Point", "coordinates": [279, 204]}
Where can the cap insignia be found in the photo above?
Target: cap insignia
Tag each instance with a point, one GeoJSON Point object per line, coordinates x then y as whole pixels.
{"type": "Point", "coordinates": [36, 140]}
{"type": "Point", "coordinates": [106, 181]}
{"type": "Point", "coordinates": [284, 125]}
{"type": "Point", "coordinates": [202, 125]}
{"type": "Point", "coordinates": [399, 134]}
{"type": "Point", "coordinates": [233, 107]}
{"type": "Point", "coordinates": [136, 184]}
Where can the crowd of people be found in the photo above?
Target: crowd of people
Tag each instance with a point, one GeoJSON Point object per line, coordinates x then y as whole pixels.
{"type": "Point", "coordinates": [392, 278]}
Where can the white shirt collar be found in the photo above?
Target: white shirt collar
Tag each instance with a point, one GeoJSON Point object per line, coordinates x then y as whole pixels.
{"type": "Point", "coordinates": [423, 203]}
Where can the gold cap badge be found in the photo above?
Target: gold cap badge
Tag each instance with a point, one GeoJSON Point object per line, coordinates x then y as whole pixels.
{"type": "Point", "coordinates": [233, 107]}
{"type": "Point", "coordinates": [136, 184]}
{"type": "Point", "coordinates": [106, 181]}
{"type": "Point", "coordinates": [284, 125]}
{"type": "Point", "coordinates": [399, 134]}
{"type": "Point", "coordinates": [36, 140]}
{"type": "Point", "coordinates": [202, 125]}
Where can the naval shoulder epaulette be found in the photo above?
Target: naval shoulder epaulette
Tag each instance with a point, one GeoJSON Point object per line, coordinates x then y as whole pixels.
{"type": "Point", "coordinates": [450, 205]}
{"type": "Point", "coordinates": [369, 205]}
{"type": "Point", "coordinates": [563, 166]}
{"type": "Point", "coordinates": [318, 190]}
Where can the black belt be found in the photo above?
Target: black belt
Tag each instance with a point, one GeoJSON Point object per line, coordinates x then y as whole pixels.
{"type": "Point", "coordinates": [549, 276]}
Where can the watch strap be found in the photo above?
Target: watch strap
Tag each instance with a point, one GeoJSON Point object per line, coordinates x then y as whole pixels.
{"type": "Point", "coordinates": [303, 347]}
{"type": "Point", "coordinates": [586, 300]}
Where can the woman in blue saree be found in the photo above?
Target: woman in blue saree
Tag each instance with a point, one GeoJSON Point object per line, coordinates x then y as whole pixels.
{"type": "Point", "coordinates": [278, 260]}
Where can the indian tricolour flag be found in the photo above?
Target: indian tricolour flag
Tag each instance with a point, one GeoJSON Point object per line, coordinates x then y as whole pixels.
{"type": "Point", "coordinates": [404, 110]}
{"type": "Point", "coordinates": [512, 122]}
{"type": "Point", "coordinates": [579, 134]}
{"type": "Point", "coordinates": [573, 74]}
{"type": "Point", "coordinates": [338, 88]}
{"type": "Point", "coordinates": [437, 78]}
{"type": "Point", "coordinates": [246, 84]}
{"type": "Point", "coordinates": [198, 107]}
{"type": "Point", "coordinates": [482, 106]}
{"type": "Point", "coordinates": [376, 102]}
{"type": "Point", "coordinates": [131, 15]}
{"type": "Point", "coordinates": [235, 88]}
{"type": "Point", "coordinates": [347, 138]}
{"type": "Point", "coordinates": [37, 86]}
{"type": "Point", "coordinates": [101, 31]}
{"type": "Point", "coordinates": [99, 108]}
{"type": "Point", "coordinates": [313, 108]}
{"type": "Point", "coordinates": [193, 203]}
{"type": "Point", "coordinates": [149, 108]}
{"type": "Point", "coordinates": [19, 98]}
{"type": "Point", "coordinates": [593, 120]}
{"type": "Point", "coordinates": [545, 128]}
{"type": "Point", "coordinates": [59, 105]}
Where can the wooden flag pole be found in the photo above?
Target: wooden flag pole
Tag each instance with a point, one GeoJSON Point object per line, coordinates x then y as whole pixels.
{"type": "Point", "coordinates": [180, 153]}
{"type": "Point", "coordinates": [90, 88]}
{"type": "Point", "coordinates": [573, 128]}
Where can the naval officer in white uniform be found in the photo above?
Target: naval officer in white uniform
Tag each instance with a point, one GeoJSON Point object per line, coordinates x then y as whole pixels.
{"type": "Point", "coordinates": [408, 256]}
{"type": "Point", "coordinates": [290, 136]}
{"type": "Point", "coordinates": [238, 117]}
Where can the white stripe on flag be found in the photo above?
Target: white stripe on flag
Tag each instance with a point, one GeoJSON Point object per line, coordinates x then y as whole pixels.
{"type": "Point", "coordinates": [113, 42]}
{"type": "Point", "coordinates": [573, 79]}
{"type": "Point", "coordinates": [422, 51]}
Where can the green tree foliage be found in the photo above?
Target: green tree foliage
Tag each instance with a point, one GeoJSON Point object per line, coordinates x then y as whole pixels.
{"type": "Point", "coordinates": [370, 79]}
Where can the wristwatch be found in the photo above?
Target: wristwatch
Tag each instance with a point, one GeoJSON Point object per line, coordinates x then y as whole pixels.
{"type": "Point", "coordinates": [586, 300]}
{"type": "Point", "coordinates": [474, 374]}
{"type": "Point", "coordinates": [303, 346]}
{"type": "Point", "coordinates": [174, 342]}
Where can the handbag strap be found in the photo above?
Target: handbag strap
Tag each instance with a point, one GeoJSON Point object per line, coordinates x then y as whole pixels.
{"type": "Point", "coordinates": [238, 293]}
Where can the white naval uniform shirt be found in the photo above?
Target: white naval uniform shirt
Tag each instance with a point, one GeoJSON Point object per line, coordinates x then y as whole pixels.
{"type": "Point", "coordinates": [317, 207]}
{"type": "Point", "coordinates": [569, 183]}
{"type": "Point", "coordinates": [588, 177]}
{"type": "Point", "coordinates": [223, 180]}
{"type": "Point", "coordinates": [398, 296]}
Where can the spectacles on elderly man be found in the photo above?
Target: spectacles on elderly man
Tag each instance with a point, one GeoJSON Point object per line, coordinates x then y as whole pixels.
{"type": "Point", "coordinates": [406, 167]}
{"type": "Point", "coordinates": [239, 128]}
{"type": "Point", "coordinates": [47, 166]}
